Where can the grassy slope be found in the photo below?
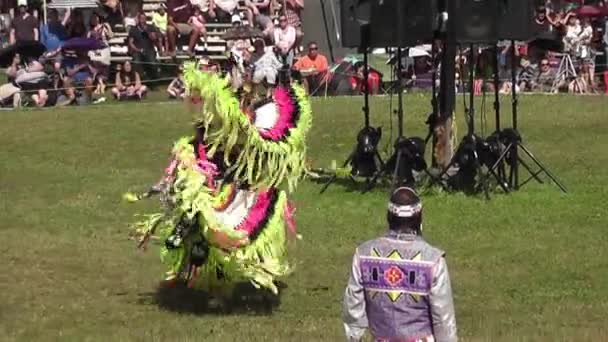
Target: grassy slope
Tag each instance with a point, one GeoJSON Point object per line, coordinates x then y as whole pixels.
{"type": "Point", "coordinates": [530, 266]}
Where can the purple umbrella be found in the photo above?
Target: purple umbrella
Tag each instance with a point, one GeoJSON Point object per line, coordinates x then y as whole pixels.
{"type": "Point", "coordinates": [83, 44]}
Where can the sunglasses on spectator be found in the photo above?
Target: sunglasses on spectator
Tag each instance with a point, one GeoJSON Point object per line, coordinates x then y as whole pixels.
{"type": "Point", "coordinates": [544, 64]}
{"type": "Point", "coordinates": [312, 48]}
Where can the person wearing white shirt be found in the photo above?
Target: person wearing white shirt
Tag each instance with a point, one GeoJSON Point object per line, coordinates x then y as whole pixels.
{"type": "Point", "coordinates": [284, 40]}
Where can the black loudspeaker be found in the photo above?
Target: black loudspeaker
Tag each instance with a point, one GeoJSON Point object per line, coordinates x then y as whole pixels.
{"type": "Point", "coordinates": [401, 23]}
{"type": "Point", "coordinates": [354, 16]}
{"type": "Point", "coordinates": [516, 18]}
{"type": "Point", "coordinates": [474, 21]}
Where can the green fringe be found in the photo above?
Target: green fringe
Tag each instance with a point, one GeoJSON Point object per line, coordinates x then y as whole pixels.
{"type": "Point", "coordinates": [261, 262]}
{"type": "Point", "coordinates": [260, 163]}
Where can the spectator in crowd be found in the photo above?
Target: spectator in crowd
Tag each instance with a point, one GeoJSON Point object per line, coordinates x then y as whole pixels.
{"type": "Point", "coordinates": [224, 9]}
{"type": "Point", "coordinates": [260, 10]}
{"type": "Point", "coordinates": [177, 87]}
{"type": "Point", "coordinates": [541, 20]}
{"type": "Point", "coordinates": [76, 26]}
{"type": "Point", "coordinates": [5, 27]}
{"type": "Point", "coordinates": [62, 85]}
{"type": "Point", "coordinates": [13, 70]}
{"type": "Point", "coordinates": [238, 46]}
{"type": "Point", "coordinates": [160, 20]}
{"type": "Point", "coordinates": [293, 12]}
{"type": "Point", "coordinates": [527, 74]}
{"type": "Point", "coordinates": [180, 12]}
{"type": "Point", "coordinates": [313, 67]}
{"type": "Point", "coordinates": [207, 7]}
{"type": "Point", "coordinates": [605, 39]}
{"type": "Point", "coordinates": [197, 21]}
{"type": "Point", "coordinates": [53, 33]}
{"type": "Point", "coordinates": [571, 39]}
{"type": "Point", "coordinates": [113, 10]}
{"type": "Point", "coordinates": [586, 53]}
{"type": "Point", "coordinates": [266, 66]}
{"type": "Point", "coordinates": [546, 76]}
{"type": "Point", "coordinates": [98, 29]}
{"type": "Point", "coordinates": [82, 75]}
{"type": "Point", "coordinates": [559, 20]}
{"type": "Point", "coordinates": [131, 19]}
{"type": "Point", "coordinates": [10, 96]}
{"type": "Point", "coordinates": [24, 27]}
{"type": "Point", "coordinates": [128, 84]}
{"type": "Point", "coordinates": [142, 39]}
{"type": "Point", "coordinates": [284, 40]}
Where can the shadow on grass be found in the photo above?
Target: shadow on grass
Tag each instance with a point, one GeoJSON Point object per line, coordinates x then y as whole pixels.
{"type": "Point", "coordinates": [245, 299]}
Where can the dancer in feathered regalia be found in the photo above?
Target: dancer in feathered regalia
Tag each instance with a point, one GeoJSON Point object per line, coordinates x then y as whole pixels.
{"type": "Point", "coordinates": [226, 218]}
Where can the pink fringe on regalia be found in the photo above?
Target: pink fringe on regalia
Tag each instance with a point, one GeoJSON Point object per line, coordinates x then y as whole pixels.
{"type": "Point", "coordinates": [286, 106]}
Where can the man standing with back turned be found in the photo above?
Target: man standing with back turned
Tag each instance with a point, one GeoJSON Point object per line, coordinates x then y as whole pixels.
{"type": "Point", "coordinates": [399, 286]}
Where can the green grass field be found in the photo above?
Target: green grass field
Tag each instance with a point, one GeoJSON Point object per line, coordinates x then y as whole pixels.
{"type": "Point", "coordinates": [529, 266]}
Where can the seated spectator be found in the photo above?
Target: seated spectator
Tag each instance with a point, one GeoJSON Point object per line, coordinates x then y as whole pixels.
{"type": "Point", "coordinates": [293, 12]}
{"type": "Point", "coordinates": [357, 80]}
{"type": "Point", "coordinates": [197, 21]}
{"type": "Point", "coordinates": [260, 11]}
{"type": "Point", "coordinates": [238, 46]}
{"type": "Point", "coordinates": [128, 84]}
{"type": "Point", "coordinates": [284, 40]}
{"type": "Point", "coordinates": [33, 84]}
{"type": "Point", "coordinates": [546, 76]}
{"type": "Point", "coordinates": [224, 9]}
{"type": "Point", "coordinates": [266, 66]}
{"type": "Point", "coordinates": [527, 74]}
{"type": "Point", "coordinates": [131, 19]}
{"type": "Point", "coordinates": [76, 27]}
{"type": "Point", "coordinates": [61, 85]}
{"type": "Point", "coordinates": [98, 29]}
{"type": "Point", "coordinates": [81, 74]}
{"type": "Point", "coordinates": [180, 12]}
{"type": "Point", "coordinates": [24, 27]}
{"type": "Point", "coordinates": [313, 67]}
{"type": "Point", "coordinates": [160, 19]}
{"type": "Point", "coordinates": [15, 68]}
{"type": "Point", "coordinates": [177, 87]}
{"type": "Point", "coordinates": [54, 32]}
{"type": "Point", "coordinates": [141, 44]}
{"type": "Point", "coordinates": [207, 7]}
{"type": "Point", "coordinates": [10, 96]}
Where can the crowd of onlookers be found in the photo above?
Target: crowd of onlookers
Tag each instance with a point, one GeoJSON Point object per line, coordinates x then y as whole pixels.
{"type": "Point", "coordinates": [65, 74]}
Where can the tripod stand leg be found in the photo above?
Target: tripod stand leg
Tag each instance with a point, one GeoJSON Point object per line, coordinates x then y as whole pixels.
{"type": "Point", "coordinates": [542, 167]}
{"type": "Point", "coordinates": [335, 176]}
{"type": "Point", "coordinates": [532, 173]}
{"type": "Point", "coordinates": [396, 170]}
{"type": "Point", "coordinates": [501, 169]}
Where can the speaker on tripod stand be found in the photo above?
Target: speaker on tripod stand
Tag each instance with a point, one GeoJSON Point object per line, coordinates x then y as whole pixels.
{"type": "Point", "coordinates": [485, 22]}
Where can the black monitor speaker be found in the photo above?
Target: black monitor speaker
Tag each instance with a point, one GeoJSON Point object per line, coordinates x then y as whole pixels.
{"type": "Point", "coordinates": [473, 21]}
{"type": "Point", "coordinates": [354, 15]}
{"type": "Point", "coordinates": [487, 21]}
{"type": "Point", "coordinates": [516, 19]}
{"type": "Point", "coordinates": [391, 23]}
{"type": "Point", "coordinates": [402, 22]}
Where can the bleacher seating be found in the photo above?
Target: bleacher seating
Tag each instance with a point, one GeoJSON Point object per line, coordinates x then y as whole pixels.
{"type": "Point", "coordinates": [216, 46]}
